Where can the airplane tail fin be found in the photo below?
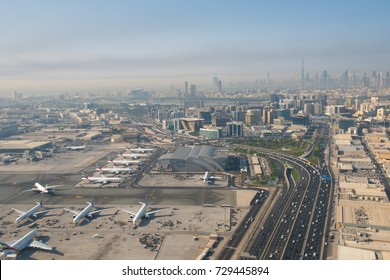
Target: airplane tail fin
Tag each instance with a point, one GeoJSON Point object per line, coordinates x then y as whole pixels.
{"type": "Point", "coordinates": [6, 247]}
{"type": "Point", "coordinates": [146, 200]}
{"type": "Point", "coordinates": [92, 201]}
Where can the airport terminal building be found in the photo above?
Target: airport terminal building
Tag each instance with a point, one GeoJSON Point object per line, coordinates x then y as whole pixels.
{"type": "Point", "coordinates": [199, 159]}
{"type": "Point", "coordinates": [20, 147]}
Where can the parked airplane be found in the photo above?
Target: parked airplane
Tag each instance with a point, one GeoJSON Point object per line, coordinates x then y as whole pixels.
{"type": "Point", "coordinates": [102, 179]}
{"type": "Point", "coordinates": [141, 150]}
{"type": "Point", "coordinates": [138, 216]}
{"type": "Point", "coordinates": [14, 247]}
{"type": "Point", "coordinates": [132, 155]}
{"type": "Point", "coordinates": [76, 148]}
{"type": "Point", "coordinates": [44, 189]}
{"type": "Point", "coordinates": [31, 213]}
{"type": "Point", "coordinates": [86, 213]}
{"type": "Point", "coordinates": [114, 169]}
{"type": "Point", "coordinates": [208, 178]}
{"type": "Point", "coordinates": [8, 159]}
{"type": "Point", "coordinates": [124, 161]}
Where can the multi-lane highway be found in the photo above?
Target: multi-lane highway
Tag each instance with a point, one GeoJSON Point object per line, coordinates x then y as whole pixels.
{"type": "Point", "coordinates": [295, 227]}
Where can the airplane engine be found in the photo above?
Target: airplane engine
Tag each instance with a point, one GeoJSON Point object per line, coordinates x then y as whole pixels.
{"type": "Point", "coordinates": [74, 216]}
{"type": "Point", "coordinates": [35, 216]}
{"type": "Point", "coordinates": [89, 216]}
{"type": "Point", "coordinates": [147, 216]}
{"type": "Point", "coordinates": [104, 182]}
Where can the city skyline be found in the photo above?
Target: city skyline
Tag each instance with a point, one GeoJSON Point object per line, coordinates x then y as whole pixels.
{"type": "Point", "coordinates": [51, 48]}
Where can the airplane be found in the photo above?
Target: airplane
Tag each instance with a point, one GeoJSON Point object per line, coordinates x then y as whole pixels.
{"type": "Point", "coordinates": [8, 159]}
{"type": "Point", "coordinates": [141, 213]}
{"type": "Point", "coordinates": [13, 248]}
{"type": "Point", "coordinates": [85, 213]}
{"type": "Point", "coordinates": [132, 155]}
{"type": "Point", "coordinates": [124, 161]}
{"type": "Point", "coordinates": [102, 179]}
{"type": "Point", "coordinates": [33, 212]}
{"type": "Point", "coordinates": [142, 150]}
{"type": "Point", "coordinates": [44, 189]}
{"type": "Point", "coordinates": [208, 178]}
{"type": "Point", "coordinates": [114, 169]}
{"type": "Point", "coordinates": [76, 148]}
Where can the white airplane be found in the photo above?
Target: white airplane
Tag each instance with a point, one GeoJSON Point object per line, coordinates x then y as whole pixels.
{"type": "Point", "coordinates": [132, 155]}
{"type": "Point", "coordinates": [141, 213]}
{"type": "Point", "coordinates": [76, 148]}
{"type": "Point", "coordinates": [141, 150]}
{"type": "Point", "coordinates": [44, 189]}
{"type": "Point", "coordinates": [102, 179]}
{"type": "Point", "coordinates": [124, 161]}
{"type": "Point", "coordinates": [14, 247]}
{"type": "Point", "coordinates": [86, 213]}
{"type": "Point", "coordinates": [31, 213]}
{"type": "Point", "coordinates": [114, 169]}
{"type": "Point", "coordinates": [208, 178]}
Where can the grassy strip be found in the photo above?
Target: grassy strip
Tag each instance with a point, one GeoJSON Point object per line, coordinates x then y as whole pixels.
{"type": "Point", "coordinates": [296, 175]}
{"type": "Point", "coordinates": [286, 146]}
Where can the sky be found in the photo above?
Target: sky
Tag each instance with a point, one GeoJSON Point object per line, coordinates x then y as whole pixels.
{"type": "Point", "coordinates": [69, 46]}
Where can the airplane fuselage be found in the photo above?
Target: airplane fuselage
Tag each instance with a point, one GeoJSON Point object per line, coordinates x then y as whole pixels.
{"type": "Point", "coordinates": [103, 179]}
{"type": "Point", "coordinates": [41, 188]}
{"type": "Point", "coordinates": [29, 213]}
{"type": "Point", "coordinates": [125, 162]}
{"type": "Point", "coordinates": [114, 170]}
{"type": "Point", "coordinates": [134, 155]}
{"type": "Point", "coordinates": [24, 241]}
{"type": "Point", "coordinates": [140, 214]}
{"type": "Point", "coordinates": [141, 150]}
{"type": "Point", "coordinates": [83, 213]}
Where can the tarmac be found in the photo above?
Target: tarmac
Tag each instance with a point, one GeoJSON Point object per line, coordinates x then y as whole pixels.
{"type": "Point", "coordinates": [167, 235]}
{"type": "Point", "coordinates": [193, 208]}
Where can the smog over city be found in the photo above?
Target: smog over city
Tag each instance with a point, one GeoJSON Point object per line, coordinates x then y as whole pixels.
{"type": "Point", "coordinates": [195, 130]}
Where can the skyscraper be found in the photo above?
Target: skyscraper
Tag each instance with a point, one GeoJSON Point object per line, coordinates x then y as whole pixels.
{"type": "Point", "coordinates": [219, 86]}
{"type": "Point", "coordinates": [193, 90]}
{"type": "Point", "coordinates": [185, 88]}
{"type": "Point", "coordinates": [303, 74]}
{"type": "Point", "coordinates": [215, 82]}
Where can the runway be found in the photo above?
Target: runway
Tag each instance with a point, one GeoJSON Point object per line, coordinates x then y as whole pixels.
{"type": "Point", "coordinates": [13, 187]}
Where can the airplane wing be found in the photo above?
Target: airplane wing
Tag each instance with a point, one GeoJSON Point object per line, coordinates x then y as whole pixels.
{"type": "Point", "coordinates": [41, 212]}
{"type": "Point", "coordinates": [72, 211]}
{"type": "Point", "coordinates": [40, 245]}
{"type": "Point", "coordinates": [31, 190]}
{"type": "Point", "coordinates": [52, 187]}
{"type": "Point", "coordinates": [95, 212]}
{"type": "Point", "coordinates": [153, 212]}
{"type": "Point", "coordinates": [19, 211]}
{"type": "Point", "coordinates": [128, 212]}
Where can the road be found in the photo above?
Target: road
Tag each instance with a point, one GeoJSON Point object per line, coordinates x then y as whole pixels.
{"type": "Point", "coordinates": [296, 226]}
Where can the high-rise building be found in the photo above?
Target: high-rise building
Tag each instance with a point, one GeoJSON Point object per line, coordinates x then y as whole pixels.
{"type": "Point", "coordinates": [366, 80]}
{"type": "Point", "coordinates": [219, 86]}
{"type": "Point", "coordinates": [215, 83]}
{"type": "Point", "coordinates": [185, 88]}
{"type": "Point", "coordinates": [349, 101]}
{"type": "Point", "coordinates": [193, 90]}
{"type": "Point", "coordinates": [235, 129]}
{"type": "Point", "coordinates": [317, 109]}
{"type": "Point", "coordinates": [308, 108]}
{"type": "Point", "coordinates": [206, 115]}
{"type": "Point", "coordinates": [303, 74]}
